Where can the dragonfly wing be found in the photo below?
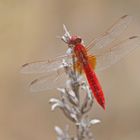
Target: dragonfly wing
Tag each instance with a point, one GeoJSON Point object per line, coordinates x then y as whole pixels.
{"type": "Point", "coordinates": [113, 54]}
{"type": "Point", "coordinates": [110, 35]}
{"type": "Point", "coordinates": [44, 66]}
{"type": "Point", "coordinates": [48, 82]}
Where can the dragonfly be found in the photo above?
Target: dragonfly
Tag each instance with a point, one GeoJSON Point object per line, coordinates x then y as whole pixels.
{"type": "Point", "coordinates": [98, 55]}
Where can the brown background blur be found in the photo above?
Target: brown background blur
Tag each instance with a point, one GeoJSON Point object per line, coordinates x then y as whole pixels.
{"type": "Point", "coordinates": [28, 30]}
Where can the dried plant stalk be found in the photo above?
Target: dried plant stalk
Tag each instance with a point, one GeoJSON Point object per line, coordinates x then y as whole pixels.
{"type": "Point", "coordinates": [73, 107]}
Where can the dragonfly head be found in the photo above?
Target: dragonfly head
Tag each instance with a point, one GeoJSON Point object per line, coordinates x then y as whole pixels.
{"type": "Point", "coordinates": [70, 40]}
{"type": "Point", "coordinates": [75, 40]}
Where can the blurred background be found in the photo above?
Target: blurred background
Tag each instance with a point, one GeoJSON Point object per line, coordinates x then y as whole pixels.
{"type": "Point", "coordinates": [28, 30]}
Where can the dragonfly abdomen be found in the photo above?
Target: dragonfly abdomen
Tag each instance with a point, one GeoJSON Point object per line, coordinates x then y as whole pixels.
{"type": "Point", "coordinates": [94, 85]}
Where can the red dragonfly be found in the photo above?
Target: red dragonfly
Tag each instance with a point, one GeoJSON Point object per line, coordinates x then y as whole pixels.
{"type": "Point", "coordinates": [99, 55]}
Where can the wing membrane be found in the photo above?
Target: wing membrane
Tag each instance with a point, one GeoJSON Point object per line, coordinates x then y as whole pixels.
{"type": "Point", "coordinates": [44, 66]}
{"type": "Point", "coordinates": [110, 35]}
{"type": "Point", "coordinates": [113, 54]}
{"type": "Point", "coordinates": [48, 82]}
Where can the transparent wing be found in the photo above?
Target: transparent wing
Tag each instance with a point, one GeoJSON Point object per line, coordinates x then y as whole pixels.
{"type": "Point", "coordinates": [113, 54]}
{"type": "Point", "coordinates": [44, 66]}
{"type": "Point", "coordinates": [110, 35]}
{"type": "Point", "coordinates": [48, 82]}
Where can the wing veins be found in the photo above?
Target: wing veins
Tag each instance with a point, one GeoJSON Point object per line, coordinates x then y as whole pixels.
{"type": "Point", "coordinates": [110, 34]}
{"type": "Point", "coordinates": [114, 53]}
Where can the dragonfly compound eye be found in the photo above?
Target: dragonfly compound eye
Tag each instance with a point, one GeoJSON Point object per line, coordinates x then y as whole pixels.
{"type": "Point", "coordinates": [75, 40]}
